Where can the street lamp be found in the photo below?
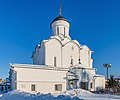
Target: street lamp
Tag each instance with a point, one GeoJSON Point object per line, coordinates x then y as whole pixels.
{"type": "Point", "coordinates": [107, 66]}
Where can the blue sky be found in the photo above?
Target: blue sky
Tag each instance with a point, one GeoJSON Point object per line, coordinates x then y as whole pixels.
{"type": "Point", "coordinates": [95, 23]}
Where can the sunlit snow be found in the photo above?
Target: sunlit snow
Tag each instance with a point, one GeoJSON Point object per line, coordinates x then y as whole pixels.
{"type": "Point", "coordinates": [77, 94]}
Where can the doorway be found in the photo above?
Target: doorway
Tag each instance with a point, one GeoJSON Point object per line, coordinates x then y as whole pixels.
{"type": "Point", "coordinates": [84, 85]}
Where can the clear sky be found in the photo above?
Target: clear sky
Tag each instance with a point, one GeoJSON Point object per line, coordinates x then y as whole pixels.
{"type": "Point", "coordinates": [95, 23]}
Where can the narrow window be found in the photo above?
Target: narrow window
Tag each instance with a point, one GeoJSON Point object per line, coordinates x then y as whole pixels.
{"type": "Point", "coordinates": [32, 87]}
{"type": "Point", "coordinates": [55, 63]}
{"type": "Point", "coordinates": [58, 30]}
{"type": "Point", "coordinates": [90, 85]}
{"type": "Point", "coordinates": [71, 62]}
{"type": "Point", "coordinates": [64, 31]}
{"type": "Point", "coordinates": [58, 87]}
{"type": "Point", "coordinates": [72, 48]}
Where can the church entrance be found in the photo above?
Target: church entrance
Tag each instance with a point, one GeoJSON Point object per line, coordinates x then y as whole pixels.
{"type": "Point", "coordinates": [72, 84]}
{"type": "Point", "coordinates": [84, 85]}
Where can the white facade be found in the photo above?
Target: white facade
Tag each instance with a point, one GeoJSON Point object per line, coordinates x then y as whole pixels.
{"type": "Point", "coordinates": [99, 82]}
{"type": "Point", "coordinates": [85, 78]}
{"type": "Point", "coordinates": [58, 61]}
{"type": "Point", "coordinates": [60, 27]}
{"type": "Point", "coordinates": [59, 50]}
{"type": "Point", "coordinates": [23, 76]}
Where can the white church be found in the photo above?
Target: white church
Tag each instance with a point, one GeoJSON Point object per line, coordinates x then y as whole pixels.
{"type": "Point", "coordinates": [59, 64]}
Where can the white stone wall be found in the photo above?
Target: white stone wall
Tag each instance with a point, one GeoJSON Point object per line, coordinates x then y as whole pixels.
{"type": "Point", "coordinates": [70, 51]}
{"type": "Point", "coordinates": [86, 57]}
{"type": "Point", "coordinates": [43, 79]}
{"type": "Point", "coordinates": [53, 49]}
{"type": "Point", "coordinates": [13, 78]}
{"type": "Point", "coordinates": [61, 46]}
{"type": "Point", "coordinates": [39, 54]}
{"type": "Point", "coordinates": [64, 50]}
{"type": "Point", "coordinates": [87, 77]}
{"type": "Point", "coordinates": [99, 82]}
{"type": "Point", "coordinates": [63, 27]}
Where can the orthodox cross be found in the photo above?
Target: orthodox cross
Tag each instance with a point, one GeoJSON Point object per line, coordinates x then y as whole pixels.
{"type": "Point", "coordinates": [60, 7]}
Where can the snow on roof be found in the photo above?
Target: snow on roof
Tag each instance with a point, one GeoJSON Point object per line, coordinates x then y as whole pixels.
{"type": "Point", "coordinates": [81, 66]}
{"type": "Point", "coordinates": [38, 67]}
{"type": "Point", "coordinates": [98, 75]}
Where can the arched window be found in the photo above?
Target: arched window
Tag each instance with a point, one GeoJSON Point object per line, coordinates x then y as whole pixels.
{"type": "Point", "coordinates": [55, 63]}
{"type": "Point", "coordinates": [71, 62]}
{"type": "Point", "coordinates": [58, 30]}
{"type": "Point", "coordinates": [64, 31]}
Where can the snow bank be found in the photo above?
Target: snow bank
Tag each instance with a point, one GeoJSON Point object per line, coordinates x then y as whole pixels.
{"type": "Point", "coordinates": [80, 92]}
{"type": "Point", "coordinates": [0, 95]}
{"type": "Point", "coordinates": [87, 95]}
{"type": "Point", "coordinates": [20, 95]}
{"type": "Point", "coordinates": [77, 94]}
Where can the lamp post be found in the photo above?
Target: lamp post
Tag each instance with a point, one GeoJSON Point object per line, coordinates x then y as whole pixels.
{"type": "Point", "coordinates": [107, 66]}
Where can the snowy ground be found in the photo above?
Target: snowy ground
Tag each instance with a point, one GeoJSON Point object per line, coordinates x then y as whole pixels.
{"type": "Point", "coordinates": [78, 94]}
{"type": "Point", "coordinates": [86, 95]}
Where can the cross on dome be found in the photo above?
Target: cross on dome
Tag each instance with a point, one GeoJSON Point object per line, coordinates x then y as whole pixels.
{"type": "Point", "coordinates": [60, 7]}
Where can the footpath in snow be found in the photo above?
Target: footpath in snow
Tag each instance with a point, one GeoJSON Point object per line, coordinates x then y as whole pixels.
{"type": "Point", "coordinates": [77, 94]}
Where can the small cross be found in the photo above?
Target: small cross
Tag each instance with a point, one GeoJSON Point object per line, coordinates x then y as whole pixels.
{"type": "Point", "coordinates": [60, 7]}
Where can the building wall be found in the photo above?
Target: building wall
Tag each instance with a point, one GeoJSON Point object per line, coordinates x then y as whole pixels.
{"type": "Point", "coordinates": [86, 57]}
{"type": "Point", "coordinates": [64, 50]}
{"type": "Point", "coordinates": [53, 49]}
{"type": "Point", "coordinates": [99, 83]}
{"type": "Point", "coordinates": [13, 78]}
{"type": "Point", "coordinates": [42, 87]}
{"type": "Point", "coordinates": [63, 28]}
{"type": "Point", "coordinates": [39, 54]}
{"type": "Point", "coordinates": [43, 79]}
{"type": "Point", "coordinates": [70, 51]}
{"type": "Point", "coordinates": [86, 76]}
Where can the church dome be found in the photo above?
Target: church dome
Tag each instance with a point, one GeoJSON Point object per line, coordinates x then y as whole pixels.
{"type": "Point", "coordinates": [59, 18]}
